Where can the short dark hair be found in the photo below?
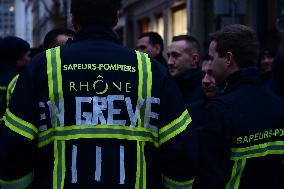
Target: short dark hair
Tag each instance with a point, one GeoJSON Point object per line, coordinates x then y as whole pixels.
{"type": "Point", "coordinates": [50, 38]}
{"type": "Point", "coordinates": [241, 41]}
{"type": "Point", "coordinates": [154, 38]}
{"type": "Point", "coordinates": [194, 45]}
{"type": "Point", "coordinates": [99, 12]}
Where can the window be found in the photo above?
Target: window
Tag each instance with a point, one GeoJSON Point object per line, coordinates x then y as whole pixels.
{"type": "Point", "coordinates": [160, 25]}
{"type": "Point", "coordinates": [144, 25]}
{"type": "Point", "coordinates": [179, 19]}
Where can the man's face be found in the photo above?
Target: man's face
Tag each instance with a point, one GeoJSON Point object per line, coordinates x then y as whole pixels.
{"type": "Point", "coordinates": [219, 66]}
{"type": "Point", "coordinates": [266, 63]}
{"type": "Point", "coordinates": [179, 59]}
{"type": "Point", "coordinates": [62, 39]}
{"type": "Point", "coordinates": [208, 81]}
{"type": "Point", "coordinates": [23, 60]}
{"type": "Point", "coordinates": [144, 45]}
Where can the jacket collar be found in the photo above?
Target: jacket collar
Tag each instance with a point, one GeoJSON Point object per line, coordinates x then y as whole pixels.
{"type": "Point", "coordinates": [6, 67]}
{"type": "Point", "coordinates": [245, 76]}
{"type": "Point", "coordinates": [189, 75]}
{"type": "Point", "coordinates": [97, 32]}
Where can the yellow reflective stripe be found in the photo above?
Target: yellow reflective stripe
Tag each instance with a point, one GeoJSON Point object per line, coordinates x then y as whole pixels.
{"type": "Point", "coordinates": [140, 82]}
{"type": "Point", "coordinates": [49, 74]}
{"type": "Point", "coordinates": [55, 169]}
{"type": "Point", "coordinates": [174, 128]}
{"type": "Point", "coordinates": [258, 150]}
{"type": "Point", "coordinates": [63, 164]}
{"type": "Point", "coordinates": [59, 75]}
{"type": "Point", "coordinates": [144, 91]}
{"type": "Point", "coordinates": [138, 167]}
{"type": "Point", "coordinates": [101, 131]}
{"type": "Point", "coordinates": [144, 168]}
{"type": "Point", "coordinates": [141, 167]}
{"type": "Point", "coordinates": [20, 183]}
{"type": "Point", "coordinates": [59, 165]}
{"type": "Point", "coordinates": [54, 74]}
{"type": "Point", "coordinates": [20, 126]}
{"type": "Point", "coordinates": [236, 174]}
{"type": "Point", "coordinates": [55, 95]}
{"type": "Point", "coordinates": [172, 184]}
{"type": "Point", "coordinates": [149, 94]}
{"type": "Point", "coordinates": [149, 73]}
{"type": "Point", "coordinates": [11, 88]}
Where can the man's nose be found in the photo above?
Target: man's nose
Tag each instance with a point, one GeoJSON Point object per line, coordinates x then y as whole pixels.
{"type": "Point", "coordinates": [206, 81]}
{"type": "Point", "coordinates": [170, 61]}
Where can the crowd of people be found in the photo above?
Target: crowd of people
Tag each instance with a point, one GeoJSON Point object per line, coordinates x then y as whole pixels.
{"type": "Point", "coordinates": [143, 121]}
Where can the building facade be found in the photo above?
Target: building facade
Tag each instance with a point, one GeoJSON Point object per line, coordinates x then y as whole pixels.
{"type": "Point", "coordinates": [16, 19]}
{"type": "Point", "coordinates": [7, 17]}
{"type": "Point", "coordinates": [32, 19]}
{"type": "Point", "coordinates": [23, 21]}
{"type": "Point", "coordinates": [200, 17]}
{"type": "Point", "coordinates": [47, 15]}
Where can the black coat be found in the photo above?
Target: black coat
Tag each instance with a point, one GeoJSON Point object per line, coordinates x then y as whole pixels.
{"type": "Point", "coordinates": [160, 58]}
{"type": "Point", "coordinates": [7, 73]}
{"type": "Point", "coordinates": [241, 137]}
{"type": "Point", "coordinates": [190, 85]}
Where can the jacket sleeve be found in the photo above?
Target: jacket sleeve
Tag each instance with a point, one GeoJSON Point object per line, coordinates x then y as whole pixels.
{"type": "Point", "coordinates": [214, 148]}
{"type": "Point", "coordinates": [177, 162]}
{"type": "Point", "coordinates": [18, 135]}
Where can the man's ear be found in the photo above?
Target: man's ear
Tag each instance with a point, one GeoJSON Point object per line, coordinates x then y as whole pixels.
{"type": "Point", "coordinates": [115, 20]}
{"type": "Point", "coordinates": [157, 48]}
{"type": "Point", "coordinates": [230, 59]}
{"type": "Point", "coordinates": [75, 24]}
{"type": "Point", "coordinates": [195, 59]}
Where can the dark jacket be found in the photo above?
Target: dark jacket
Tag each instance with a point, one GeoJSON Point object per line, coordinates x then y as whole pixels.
{"type": "Point", "coordinates": [241, 137]}
{"type": "Point", "coordinates": [7, 73]}
{"type": "Point", "coordinates": [190, 86]}
{"type": "Point", "coordinates": [266, 78]}
{"type": "Point", "coordinates": [160, 58]}
{"type": "Point", "coordinates": [277, 84]}
{"type": "Point", "coordinates": [89, 115]}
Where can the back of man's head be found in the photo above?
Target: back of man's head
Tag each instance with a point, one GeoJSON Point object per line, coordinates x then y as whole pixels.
{"type": "Point", "coordinates": [241, 41]}
{"type": "Point", "coordinates": [51, 38]}
{"type": "Point", "coordinates": [154, 38]}
{"type": "Point", "coordinates": [12, 49]}
{"type": "Point", "coordinates": [99, 12]}
{"type": "Point", "coordinates": [193, 44]}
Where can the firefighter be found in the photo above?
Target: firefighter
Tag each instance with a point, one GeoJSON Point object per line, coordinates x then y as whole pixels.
{"type": "Point", "coordinates": [54, 38]}
{"type": "Point", "coordinates": [241, 132]}
{"type": "Point", "coordinates": [94, 114]}
{"type": "Point", "coordinates": [14, 54]}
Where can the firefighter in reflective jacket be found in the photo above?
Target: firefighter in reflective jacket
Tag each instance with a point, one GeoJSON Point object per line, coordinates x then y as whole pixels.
{"type": "Point", "coordinates": [14, 54]}
{"type": "Point", "coordinates": [95, 115]}
{"type": "Point", "coordinates": [241, 132]}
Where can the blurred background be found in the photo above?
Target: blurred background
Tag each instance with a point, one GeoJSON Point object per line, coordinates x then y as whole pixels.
{"type": "Point", "coordinates": [32, 19]}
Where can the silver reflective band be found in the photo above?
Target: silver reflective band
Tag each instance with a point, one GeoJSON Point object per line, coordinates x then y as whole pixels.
{"type": "Point", "coordinates": [259, 150]}
{"type": "Point", "coordinates": [169, 183]}
{"type": "Point", "coordinates": [74, 164]}
{"type": "Point", "coordinates": [98, 172]}
{"type": "Point", "coordinates": [20, 183]}
{"type": "Point", "coordinates": [175, 127]}
{"type": "Point", "coordinates": [20, 126]}
{"type": "Point", "coordinates": [121, 166]}
{"type": "Point", "coordinates": [42, 128]}
{"type": "Point", "coordinates": [236, 174]}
